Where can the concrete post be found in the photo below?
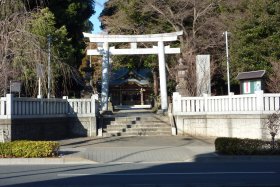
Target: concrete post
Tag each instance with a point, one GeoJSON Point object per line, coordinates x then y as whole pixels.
{"type": "Point", "coordinates": [230, 104]}
{"type": "Point", "coordinates": [205, 103]}
{"type": "Point", "coordinates": [10, 108]}
{"type": "Point", "coordinates": [105, 77]}
{"type": "Point", "coordinates": [162, 76]}
{"type": "Point", "coordinates": [66, 108]}
{"type": "Point", "coordinates": [93, 100]}
{"type": "Point", "coordinates": [177, 103]}
{"type": "Point", "coordinates": [95, 96]}
{"type": "Point", "coordinates": [260, 104]}
{"type": "Point", "coordinates": [3, 107]}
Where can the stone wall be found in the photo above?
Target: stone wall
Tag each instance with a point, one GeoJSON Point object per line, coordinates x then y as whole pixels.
{"type": "Point", "coordinates": [83, 126]}
{"type": "Point", "coordinates": [48, 128]}
{"type": "Point", "coordinates": [241, 126]}
{"type": "Point", "coordinates": [5, 128]}
{"type": "Point", "coordinates": [40, 129]}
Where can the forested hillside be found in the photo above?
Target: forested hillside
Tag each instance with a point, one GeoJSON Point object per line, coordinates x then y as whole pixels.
{"type": "Point", "coordinates": [253, 39]}
{"type": "Point", "coordinates": [28, 26]}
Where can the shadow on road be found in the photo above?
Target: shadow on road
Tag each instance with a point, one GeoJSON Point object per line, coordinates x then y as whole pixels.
{"type": "Point", "coordinates": [201, 172]}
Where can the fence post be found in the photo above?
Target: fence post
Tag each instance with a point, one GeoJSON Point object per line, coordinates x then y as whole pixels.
{"type": "Point", "coordinates": [93, 100]}
{"type": "Point", "coordinates": [10, 103]}
{"type": "Point", "coordinates": [205, 102]}
{"type": "Point", "coordinates": [177, 102]}
{"type": "Point", "coordinates": [230, 107]}
{"type": "Point", "coordinates": [260, 99]}
{"type": "Point", "coordinates": [66, 107]}
{"type": "Point", "coordinates": [3, 106]}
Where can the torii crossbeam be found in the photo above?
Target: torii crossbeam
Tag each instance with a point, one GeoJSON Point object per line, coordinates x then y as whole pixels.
{"type": "Point", "coordinates": [160, 49]}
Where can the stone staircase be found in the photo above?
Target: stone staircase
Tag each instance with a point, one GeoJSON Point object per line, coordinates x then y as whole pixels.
{"type": "Point", "coordinates": [136, 125]}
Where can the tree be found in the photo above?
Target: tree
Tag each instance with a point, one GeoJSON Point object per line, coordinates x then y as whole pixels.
{"type": "Point", "coordinates": [199, 21]}
{"type": "Point", "coordinates": [19, 49]}
{"type": "Point", "coordinates": [23, 48]}
{"type": "Point", "coordinates": [256, 37]}
{"type": "Point", "coordinates": [43, 25]}
{"type": "Point", "coordinates": [273, 82]}
{"type": "Point", "coordinates": [71, 17]}
{"type": "Point", "coordinates": [273, 125]}
{"type": "Point", "coordinates": [74, 15]}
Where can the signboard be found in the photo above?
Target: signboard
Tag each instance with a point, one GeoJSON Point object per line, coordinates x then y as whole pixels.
{"type": "Point", "coordinates": [257, 86]}
{"type": "Point", "coordinates": [15, 86]}
{"type": "Point", "coordinates": [246, 87]}
{"type": "Point", "coordinates": [251, 86]}
{"type": "Point", "coordinates": [40, 70]}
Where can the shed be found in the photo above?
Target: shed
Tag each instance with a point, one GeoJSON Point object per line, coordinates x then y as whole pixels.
{"type": "Point", "coordinates": [251, 81]}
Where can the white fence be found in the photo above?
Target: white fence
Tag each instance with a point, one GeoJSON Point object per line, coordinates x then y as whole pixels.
{"type": "Point", "coordinates": [11, 107]}
{"type": "Point", "coordinates": [258, 103]}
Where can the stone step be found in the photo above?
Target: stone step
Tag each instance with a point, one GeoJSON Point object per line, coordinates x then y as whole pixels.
{"type": "Point", "coordinates": [138, 126]}
{"type": "Point", "coordinates": [150, 118]}
{"type": "Point", "coordinates": [142, 118]}
{"type": "Point", "coordinates": [113, 123]}
{"type": "Point", "coordinates": [125, 119]}
{"type": "Point", "coordinates": [137, 129]}
{"type": "Point", "coordinates": [137, 134]}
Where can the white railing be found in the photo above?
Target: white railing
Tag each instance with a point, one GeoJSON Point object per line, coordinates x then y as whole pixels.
{"type": "Point", "coordinates": [258, 103]}
{"type": "Point", "coordinates": [83, 107]}
{"type": "Point", "coordinates": [3, 110]}
{"type": "Point", "coordinates": [11, 107]}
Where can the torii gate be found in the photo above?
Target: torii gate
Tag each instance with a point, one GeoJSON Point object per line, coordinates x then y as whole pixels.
{"type": "Point", "coordinates": [161, 50]}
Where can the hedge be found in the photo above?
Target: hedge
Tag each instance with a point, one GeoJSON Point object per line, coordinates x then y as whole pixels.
{"type": "Point", "coordinates": [28, 149]}
{"type": "Point", "coordinates": [237, 146]}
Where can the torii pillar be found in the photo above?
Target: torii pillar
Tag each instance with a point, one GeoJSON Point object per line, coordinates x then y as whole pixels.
{"type": "Point", "coordinates": [160, 50]}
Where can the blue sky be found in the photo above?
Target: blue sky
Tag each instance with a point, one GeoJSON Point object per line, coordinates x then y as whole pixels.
{"type": "Point", "coordinates": [94, 19]}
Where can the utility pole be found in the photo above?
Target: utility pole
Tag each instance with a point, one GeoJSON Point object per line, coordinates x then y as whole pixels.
{"type": "Point", "coordinates": [49, 66]}
{"type": "Point", "coordinates": [227, 56]}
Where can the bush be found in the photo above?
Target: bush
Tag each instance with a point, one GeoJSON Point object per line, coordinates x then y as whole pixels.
{"type": "Point", "coordinates": [237, 146]}
{"type": "Point", "coordinates": [29, 149]}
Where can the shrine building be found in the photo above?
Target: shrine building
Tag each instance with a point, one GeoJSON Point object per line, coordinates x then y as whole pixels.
{"type": "Point", "coordinates": [130, 88]}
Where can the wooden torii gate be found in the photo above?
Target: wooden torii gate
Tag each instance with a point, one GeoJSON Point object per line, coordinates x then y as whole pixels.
{"type": "Point", "coordinates": [160, 49]}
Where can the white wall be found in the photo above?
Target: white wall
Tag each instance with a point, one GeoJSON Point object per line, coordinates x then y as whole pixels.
{"type": "Point", "coordinates": [240, 126]}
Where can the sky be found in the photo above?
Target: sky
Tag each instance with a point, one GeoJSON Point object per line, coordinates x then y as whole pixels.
{"type": "Point", "coordinates": [94, 19]}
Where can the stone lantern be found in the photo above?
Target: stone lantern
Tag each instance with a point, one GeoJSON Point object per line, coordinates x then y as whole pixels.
{"type": "Point", "coordinates": [181, 78]}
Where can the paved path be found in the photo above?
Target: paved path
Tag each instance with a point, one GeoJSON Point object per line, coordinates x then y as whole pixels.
{"type": "Point", "coordinates": [138, 149]}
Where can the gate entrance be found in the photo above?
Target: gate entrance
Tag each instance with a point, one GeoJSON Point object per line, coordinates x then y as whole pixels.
{"type": "Point", "coordinates": [106, 51]}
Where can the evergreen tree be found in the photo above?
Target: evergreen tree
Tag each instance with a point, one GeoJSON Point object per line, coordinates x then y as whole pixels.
{"type": "Point", "coordinates": [256, 38]}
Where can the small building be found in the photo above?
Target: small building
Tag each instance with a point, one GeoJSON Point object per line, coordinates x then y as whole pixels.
{"type": "Point", "coordinates": [130, 88]}
{"type": "Point", "coordinates": [251, 81]}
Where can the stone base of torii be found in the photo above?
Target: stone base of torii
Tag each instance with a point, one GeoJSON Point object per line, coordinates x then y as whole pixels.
{"type": "Point", "coordinates": [106, 51]}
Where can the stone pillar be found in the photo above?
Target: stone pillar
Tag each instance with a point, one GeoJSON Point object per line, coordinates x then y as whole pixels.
{"type": "Point", "coordinates": [162, 76]}
{"type": "Point", "coordinates": [203, 77]}
{"type": "Point", "coordinates": [105, 77]}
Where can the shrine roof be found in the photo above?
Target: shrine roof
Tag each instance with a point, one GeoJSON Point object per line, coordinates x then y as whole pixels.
{"type": "Point", "coordinates": [250, 75]}
{"type": "Point", "coordinates": [123, 75]}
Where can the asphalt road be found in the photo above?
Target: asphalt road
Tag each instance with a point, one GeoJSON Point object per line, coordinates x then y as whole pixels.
{"type": "Point", "coordinates": [144, 175]}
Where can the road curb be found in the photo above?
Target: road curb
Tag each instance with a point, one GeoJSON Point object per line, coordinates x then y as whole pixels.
{"type": "Point", "coordinates": [235, 158]}
{"type": "Point", "coordinates": [44, 161]}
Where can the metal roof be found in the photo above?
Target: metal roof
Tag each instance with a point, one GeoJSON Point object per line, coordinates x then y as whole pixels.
{"type": "Point", "coordinates": [250, 75]}
{"type": "Point", "coordinates": [123, 75]}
